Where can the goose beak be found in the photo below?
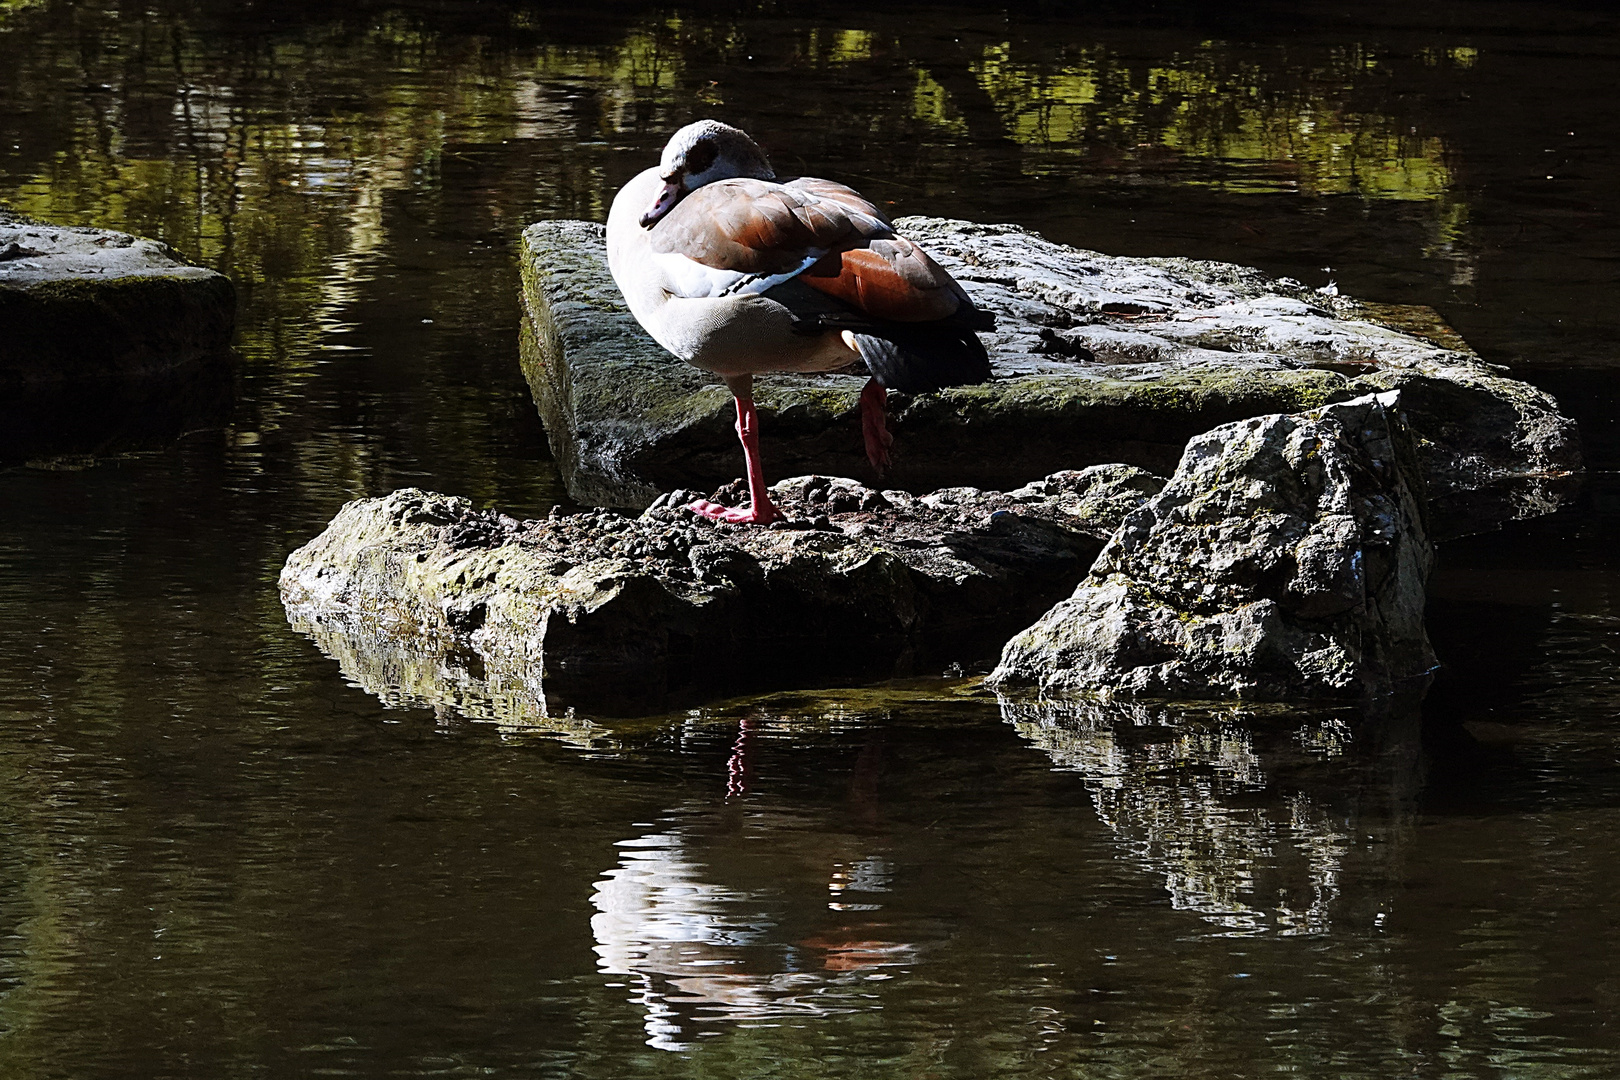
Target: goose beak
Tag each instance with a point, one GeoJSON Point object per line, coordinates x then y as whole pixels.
{"type": "Point", "coordinates": [668, 196]}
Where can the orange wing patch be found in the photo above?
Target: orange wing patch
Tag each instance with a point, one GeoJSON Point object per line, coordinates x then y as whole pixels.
{"type": "Point", "coordinates": [887, 279]}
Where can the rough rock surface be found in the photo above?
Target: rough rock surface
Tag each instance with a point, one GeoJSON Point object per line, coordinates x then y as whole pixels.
{"type": "Point", "coordinates": [620, 614]}
{"type": "Point", "coordinates": [105, 337]}
{"type": "Point", "coordinates": [1286, 559]}
{"type": "Point", "coordinates": [1097, 359]}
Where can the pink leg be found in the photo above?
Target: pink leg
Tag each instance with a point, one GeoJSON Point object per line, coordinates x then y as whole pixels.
{"type": "Point", "coordinates": [760, 510]}
{"type": "Point", "coordinates": [874, 407]}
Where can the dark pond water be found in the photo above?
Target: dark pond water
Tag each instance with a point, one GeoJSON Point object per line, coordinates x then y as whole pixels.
{"type": "Point", "coordinates": [221, 859]}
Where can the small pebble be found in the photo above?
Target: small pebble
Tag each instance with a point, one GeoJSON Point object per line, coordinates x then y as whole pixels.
{"type": "Point", "coordinates": [874, 500]}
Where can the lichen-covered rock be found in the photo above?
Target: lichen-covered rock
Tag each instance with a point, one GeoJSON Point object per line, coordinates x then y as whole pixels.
{"type": "Point", "coordinates": [620, 614]}
{"type": "Point", "coordinates": [1096, 498]}
{"type": "Point", "coordinates": [1096, 359]}
{"type": "Point", "coordinates": [106, 339]}
{"type": "Point", "coordinates": [1286, 558]}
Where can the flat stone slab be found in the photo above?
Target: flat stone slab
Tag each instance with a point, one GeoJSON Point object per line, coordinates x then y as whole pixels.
{"type": "Point", "coordinates": [1096, 359]}
{"type": "Point", "coordinates": [106, 339]}
{"type": "Point", "coordinates": [622, 615]}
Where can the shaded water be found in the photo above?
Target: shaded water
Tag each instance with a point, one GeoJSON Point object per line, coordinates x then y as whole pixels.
{"type": "Point", "coordinates": [221, 859]}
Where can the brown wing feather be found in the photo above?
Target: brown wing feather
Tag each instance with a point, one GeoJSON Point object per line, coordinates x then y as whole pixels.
{"type": "Point", "coordinates": [757, 227]}
{"type": "Point", "coordinates": [883, 275]}
{"type": "Point", "coordinates": [847, 197]}
{"type": "Point", "coordinates": [761, 227]}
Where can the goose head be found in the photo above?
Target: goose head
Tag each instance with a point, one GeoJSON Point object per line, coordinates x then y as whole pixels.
{"type": "Point", "coordinates": [702, 153]}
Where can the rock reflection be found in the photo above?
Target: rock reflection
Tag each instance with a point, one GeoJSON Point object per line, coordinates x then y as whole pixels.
{"type": "Point", "coordinates": [101, 419]}
{"type": "Point", "coordinates": [697, 953]}
{"type": "Point", "coordinates": [447, 681]}
{"type": "Point", "coordinates": [1250, 819]}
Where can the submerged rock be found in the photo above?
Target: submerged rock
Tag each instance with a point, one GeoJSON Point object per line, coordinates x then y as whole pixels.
{"type": "Point", "coordinates": [1096, 359]}
{"type": "Point", "coordinates": [108, 340]}
{"type": "Point", "coordinates": [620, 614]}
{"type": "Point", "coordinates": [1286, 558]}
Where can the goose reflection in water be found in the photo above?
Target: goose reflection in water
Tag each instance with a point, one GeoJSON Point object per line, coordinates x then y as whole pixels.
{"type": "Point", "coordinates": [1253, 821]}
{"type": "Point", "coordinates": [697, 953]}
{"type": "Point", "coordinates": [748, 913]}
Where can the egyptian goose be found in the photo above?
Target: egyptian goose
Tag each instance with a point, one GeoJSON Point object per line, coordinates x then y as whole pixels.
{"type": "Point", "coordinates": [738, 273]}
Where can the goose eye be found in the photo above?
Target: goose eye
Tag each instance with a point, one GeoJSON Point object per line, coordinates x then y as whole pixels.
{"type": "Point", "coordinates": [700, 157]}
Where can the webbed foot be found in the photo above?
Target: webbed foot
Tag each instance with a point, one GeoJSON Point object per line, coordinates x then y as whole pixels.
{"type": "Point", "coordinates": [735, 515]}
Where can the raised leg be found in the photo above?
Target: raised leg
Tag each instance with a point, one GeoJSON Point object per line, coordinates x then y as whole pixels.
{"type": "Point", "coordinates": [874, 410]}
{"type": "Point", "coordinates": [760, 510]}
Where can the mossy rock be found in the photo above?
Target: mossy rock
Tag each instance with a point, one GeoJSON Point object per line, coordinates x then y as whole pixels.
{"type": "Point", "coordinates": [1097, 359]}
{"type": "Point", "coordinates": [108, 339]}
{"type": "Point", "coordinates": [422, 597]}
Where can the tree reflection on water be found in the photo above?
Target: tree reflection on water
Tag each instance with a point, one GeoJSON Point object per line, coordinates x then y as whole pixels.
{"type": "Point", "coordinates": [273, 158]}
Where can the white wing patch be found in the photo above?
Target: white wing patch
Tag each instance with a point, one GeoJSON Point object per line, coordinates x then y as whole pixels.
{"type": "Point", "coordinates": [691, 280]}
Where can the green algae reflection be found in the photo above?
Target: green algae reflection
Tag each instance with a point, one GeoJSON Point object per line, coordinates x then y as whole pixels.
{"type": "Point", "coordinates": [287, 195]}
{"type": "Point", "coordinates": [1257, 127]}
